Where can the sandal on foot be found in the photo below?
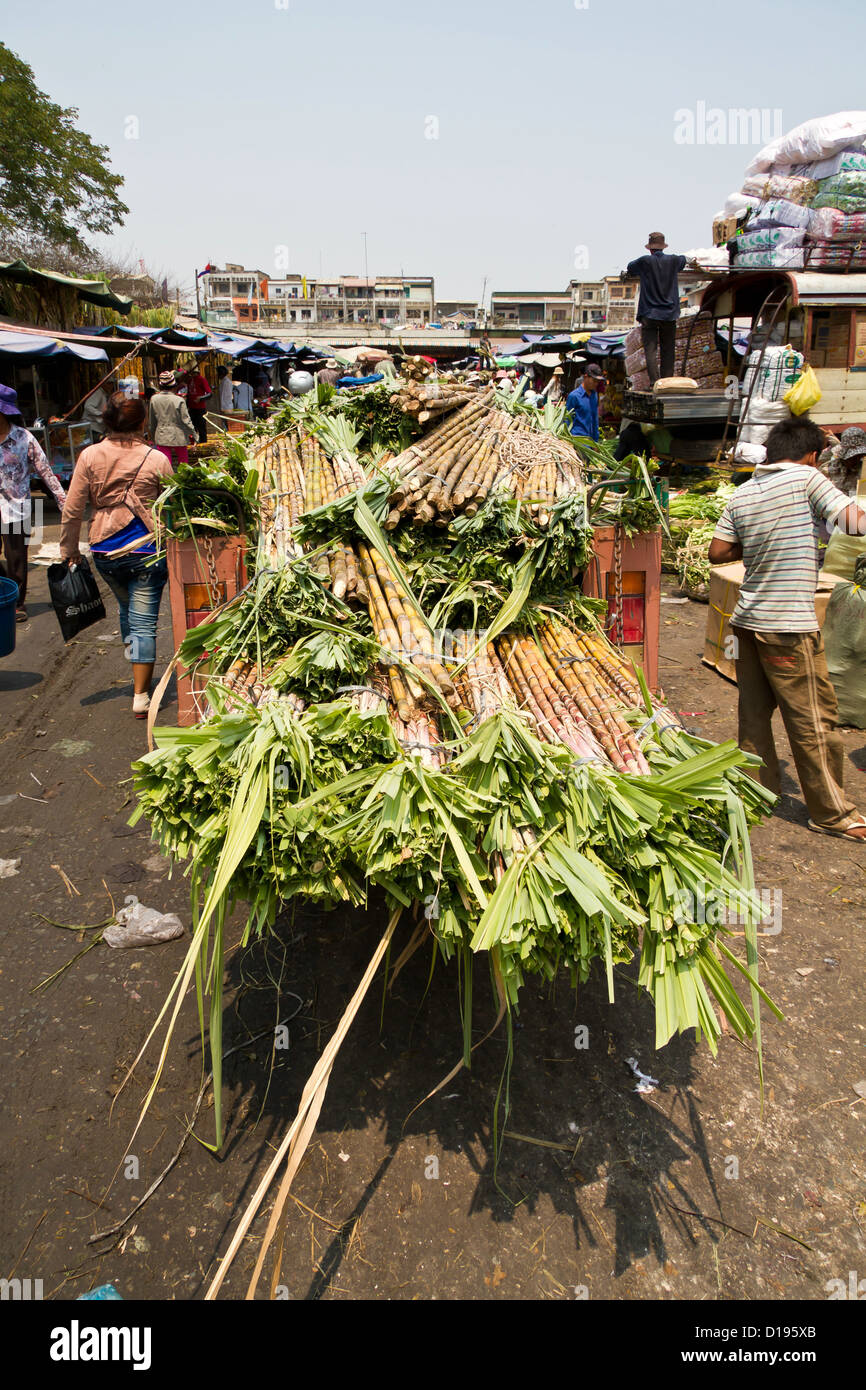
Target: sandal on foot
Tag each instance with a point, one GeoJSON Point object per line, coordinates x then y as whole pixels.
{"type": "Point", "coordinates": [858, 824]}
{"type": "Point", "coordinates": [21, 615]}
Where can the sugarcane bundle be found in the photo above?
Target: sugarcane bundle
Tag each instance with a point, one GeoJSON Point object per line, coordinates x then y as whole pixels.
{"type": "Point", "coordinates": [478, 450]}
{"type": "Point", "coordinates": [435, 399]}
{"type": "Point", "coordinates": [401, 628]}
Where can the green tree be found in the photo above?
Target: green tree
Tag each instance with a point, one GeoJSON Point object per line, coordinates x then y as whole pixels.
{"type": "Point", "coordinates": [55, 183]}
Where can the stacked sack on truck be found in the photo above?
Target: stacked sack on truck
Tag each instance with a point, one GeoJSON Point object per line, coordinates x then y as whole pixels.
{"type": "Point", "coordinates": [767, 378]}
{"type": "Point", "coordinates": [804, 199]}
{"type": "Point", "coordinates": [695, 354]}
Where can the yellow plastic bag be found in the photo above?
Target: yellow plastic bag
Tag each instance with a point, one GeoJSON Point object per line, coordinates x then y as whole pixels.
{"type": "Point", "coordinates": [804, 394]}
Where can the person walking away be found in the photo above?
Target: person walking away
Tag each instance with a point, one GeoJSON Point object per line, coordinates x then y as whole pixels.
{"type": "Point", "coordinates": [198, 393]}
{"type": "Point", "coordinates": [243, 394]}
{"type": "Point", "coordinates": [770, 523]}
{"type": "Point", "coordinates": [96, 402]}
{"type": "Point", "coordinates": [582, 404]}
{"type": "Point", "coordinates": [659, 304]}
{"type": "Point", "coordinates": [168, 421]}
{"type": "Point", "coordinates": [121, 477]}
{"type": "Point", "coordinates": [20, 455]}
{"type": "Point", "coordinates": [226, 392]}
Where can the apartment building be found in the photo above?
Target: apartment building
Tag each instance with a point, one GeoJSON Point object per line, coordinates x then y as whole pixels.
{"type": "Point", "coordinates": [234, 293]}
{"type": "Point", "coordinates": [457, 310]}
{"type": "Point", "coordinates": [531, 310]}
{"type": "Point", "coordinates": [589, 305]}
{"type": "Point", "coordinates": [251, 296]}
{"type": "Point", "coordinates": [586, 306]}
{"type": "Point", "coordinates": [621, 297]}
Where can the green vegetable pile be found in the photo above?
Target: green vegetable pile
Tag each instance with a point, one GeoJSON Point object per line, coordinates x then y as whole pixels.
{"type": "Point", "coordinates": [471, 810]}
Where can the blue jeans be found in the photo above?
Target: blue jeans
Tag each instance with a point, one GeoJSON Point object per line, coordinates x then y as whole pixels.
{"type": "Point", "coordinates": [137, 584]}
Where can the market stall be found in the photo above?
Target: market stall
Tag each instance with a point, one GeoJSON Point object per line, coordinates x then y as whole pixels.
{"type": "Point", "coordinates": [47, 375]}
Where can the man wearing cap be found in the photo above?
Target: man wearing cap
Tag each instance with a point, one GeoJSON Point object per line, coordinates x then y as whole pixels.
{"type": "Point", "coordinates": [168, 421]}
{"type": "Point", "coordinates": [582, 405]}
{"type": "Point", "coordinates": [20, 455]}
{"type": "Point", "coordinates": [659, 304]}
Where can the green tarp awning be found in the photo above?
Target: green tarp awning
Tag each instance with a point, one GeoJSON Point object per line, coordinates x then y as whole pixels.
{"type": "Point", "coordinates": [91, 291]}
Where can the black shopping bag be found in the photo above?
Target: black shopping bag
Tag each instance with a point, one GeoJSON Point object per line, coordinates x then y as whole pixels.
{"type": "Point", "coordinates": [76, 598]}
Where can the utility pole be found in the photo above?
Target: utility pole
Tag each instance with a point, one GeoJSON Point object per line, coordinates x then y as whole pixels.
{"type": "Point", "coordinates": [367, 271]}
{"type": "Point", "coordinates": [197, 298]}
{"type": "Point", "coordinates": [483, 308]}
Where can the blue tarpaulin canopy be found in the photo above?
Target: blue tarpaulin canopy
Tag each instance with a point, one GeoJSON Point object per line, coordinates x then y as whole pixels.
{"type": "Point", "coordinates": [28, 347]}
{"type": "Point", "coordinates": [553, 342]}
{"type": "Point", "coordinates": [174, 337]}
{"type": "Point", "coordinates": [605, 345]}
{"type": "Point", "coordinates": [234, 345]}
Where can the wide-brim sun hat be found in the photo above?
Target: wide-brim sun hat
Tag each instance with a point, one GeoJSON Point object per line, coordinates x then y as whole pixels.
{"type": "Point", "coordinates": [656, 241]}
{"type": "Point", "coordinates": [852, 443]}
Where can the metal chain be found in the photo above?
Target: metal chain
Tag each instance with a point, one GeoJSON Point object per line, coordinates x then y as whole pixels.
{"type": "Point", "coordinates": [616, 627]}
{"type": "Point", "coordinates": [213, 581]}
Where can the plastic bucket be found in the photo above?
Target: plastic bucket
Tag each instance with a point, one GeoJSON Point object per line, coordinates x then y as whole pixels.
{"type": "Point", "coordinates": [8, 604]}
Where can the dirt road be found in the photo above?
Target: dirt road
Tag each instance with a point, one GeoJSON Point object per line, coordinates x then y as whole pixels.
{"type": "Point", "coordinates": [684, 1191]}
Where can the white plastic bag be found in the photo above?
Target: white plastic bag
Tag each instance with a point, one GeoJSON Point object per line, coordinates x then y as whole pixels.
{"type": "Point", "coordinates": [760, 411]}
{"type": "Point", "coordinates": [816, 139]}
{"type": "Point", "coordinates": [779, 212]}
{"type": "Point", "coordinates": [755, 434]}
{"type": "Point", "coordinates": [850, 160]}
{"type": "Point", "coordinates": [138, 925]}
{"type": "Point", "coordinates": [750, 454]}
{"type": "Point", "coordinates": [738, 204]}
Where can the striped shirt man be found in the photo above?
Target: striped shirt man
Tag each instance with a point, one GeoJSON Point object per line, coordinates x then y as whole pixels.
{"type": "Point", "coordinates": [775, 518]}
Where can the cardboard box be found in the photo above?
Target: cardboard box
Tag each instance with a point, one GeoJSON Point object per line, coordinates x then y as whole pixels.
{"type": "Point", "coordinates": [826, 584]}
{"type": "Point", "coordinates": [725, 581]}
{"type": "Point", "coordinates": [723, 229]}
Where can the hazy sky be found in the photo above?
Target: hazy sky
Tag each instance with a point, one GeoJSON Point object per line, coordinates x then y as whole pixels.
{"type": "Point", "coordinates": [265, 124]}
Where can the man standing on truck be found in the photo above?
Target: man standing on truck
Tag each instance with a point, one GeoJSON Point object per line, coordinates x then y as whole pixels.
{"type": "Point", "coordinates": [770, 524]}
{"type": "Point", "coordinates": [659, 304]}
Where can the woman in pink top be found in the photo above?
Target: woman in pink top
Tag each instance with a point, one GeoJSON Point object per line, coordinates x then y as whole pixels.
{"type": "Point", "coordinates": [121, 478]}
